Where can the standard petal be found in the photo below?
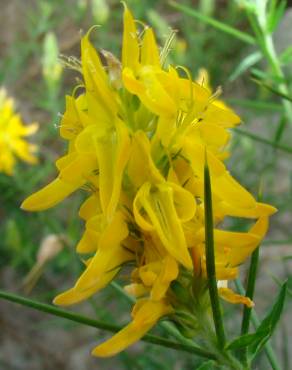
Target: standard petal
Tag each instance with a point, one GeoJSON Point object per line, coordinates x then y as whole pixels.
{"type": "Point", "coordinates": [158, 204]}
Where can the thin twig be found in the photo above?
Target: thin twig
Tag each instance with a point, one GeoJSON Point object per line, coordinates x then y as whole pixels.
{"type": "Point", "coordinates": [102, 325]}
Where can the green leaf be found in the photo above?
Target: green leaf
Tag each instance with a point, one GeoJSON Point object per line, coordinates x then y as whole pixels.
{"type": "Point", "coordinates": [272, 89]}
{"type": "Point", "coordinates": [267, 326]}
{"type": "Point", "coordinates": [256, 322]}
{"type": "Point", "coordinates": [266, 77]}
{"type": "Point", "coordinates": [209, 365]}
{"type": "Point", "coordinates": [277, 10]}
{"type": "Point", "coordinates": [245, 37]}
{"type": "Point", "coordinates": [280, 129]}
{"type": "Point", "coordinates": [247, 340]}
{"type": "Point", "coordinates": [245, 64]}
{"type": "Point", "coordinates": [286, 56]}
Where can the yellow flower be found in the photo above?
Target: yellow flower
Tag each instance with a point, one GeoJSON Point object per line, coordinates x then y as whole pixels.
{"type": "Point", "coordinates": [137, 139]}
{"type": "Point", "coordinates": [12, 134]}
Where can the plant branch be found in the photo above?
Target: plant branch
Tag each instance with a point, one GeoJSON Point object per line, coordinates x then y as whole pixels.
{"type": "Point", "coordinates": [102, 325]}
{"type": "Point", "coordinates": [281, 147]}
{"type": "Point", "coordinates": [245, 37]}
{"type": "Point", "coordinates": [210, 258]}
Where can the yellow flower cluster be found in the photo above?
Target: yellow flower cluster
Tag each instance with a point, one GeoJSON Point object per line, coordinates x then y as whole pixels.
{"type": "Point", "coordinates": [137, 136]}
{"type": "Point", "coordinates": [12, 133]}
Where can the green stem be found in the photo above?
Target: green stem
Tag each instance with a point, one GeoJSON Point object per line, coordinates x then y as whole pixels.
{"type": "Point", "coordinates": [266, 43]}
{"type": "Point", "coordinates": [210, 259]}
{"type": "Point", "coordinates": [245, 37]}
{"type": "Point", "coordinates": [256, 322]}
{"type": "Point", "coordinates": [251, 280]}
{"type": "Point", "coordinates": [102, 325]}
{"type": "Point", "coordinates": [284, 148]}
{"type": "Point", "coordinates": [254, 104]}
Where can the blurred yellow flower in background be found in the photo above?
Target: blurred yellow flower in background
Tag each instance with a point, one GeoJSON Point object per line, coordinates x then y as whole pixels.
{"type": "Point", "coordinates": [13, 133]}
{"type": "Point", "coordinates": [138, 133]}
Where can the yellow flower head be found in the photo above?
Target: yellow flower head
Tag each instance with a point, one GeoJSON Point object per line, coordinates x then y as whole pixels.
{"type": "Point", "coordinates": [137, 134]}
{"type": "Point", "coordinates": [12, 136]}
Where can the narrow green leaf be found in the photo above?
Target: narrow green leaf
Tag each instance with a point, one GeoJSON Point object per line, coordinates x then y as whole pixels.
{"type": "Point", "coordinates": [210, 258]}
{"type": "Point", "coordinates": [272, 89]}
{"type": "Point", "coordinates": [276, 13]}
{"type": "Point", "coordinates": [269, 323]}
{"type": "Point", "coordinates": [209, 365]}
{"type": "Point", "coordinates": [286, 56]}
{"type": "Point", "coordinates": [245, 64]}
{"type": "Point", "coordinates": [256, 322]}
{"type": "Point", "coordinates": [265, 77]}
{"type": "Point", "coordinates": [280, 129]}
{"type": "Point", "coordinates": [246, 340]}
{"type": "Point", "coordinates": [279, 283]}
{"type": "Point", "coordinates": [245, 37]}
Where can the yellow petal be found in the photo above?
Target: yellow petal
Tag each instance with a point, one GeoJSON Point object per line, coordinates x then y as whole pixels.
{"type": "Point", "coordinates": [50, 195]}
{"type": "Point", "coordinates": [70, 126]}
{"type": "Point", "coordinates": [168, 273]}
{"type": "Point", "coordinates": [113, 152]}
{"type": "Point", "coordinates": [73, 295]}
{"type": "Point", "coordinates": [260, 209]}
{"type": "Point", "coordinates": [238, 253]}
{"type": "Point", "coordinates": [108, 253]}
{"type": "Point", "coordinates": [130, 51]}
{"type": "Point", "coordinates": [158, 204]}
{"type": "Point", "coordinates": [30, 129]}
{"type": "Point", "coordinates": [90, 207]}
{"type": "Point", "coordinates": [96, 81]}
{"type": "Point", "coordinates": [141, 167]}
{"type": "Point", "coordinates": [232, 192]}
{"type": "Point", "coordinates": [151, 91]}
{"type": "Point", "coordinates": [136, 290]}
{"type": "Point", "coordinates": [149, 49]}
{"type": "Point", "coordinates": [79, 170]}
{"type": "Point", "coordinates": [145, 318]}
{"type": "Point", "coordinates": [232, 297]}
{"type": "Point", "coordinates": [89, 242]}
{"type": "Point", "coordinates": [225, 117]}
